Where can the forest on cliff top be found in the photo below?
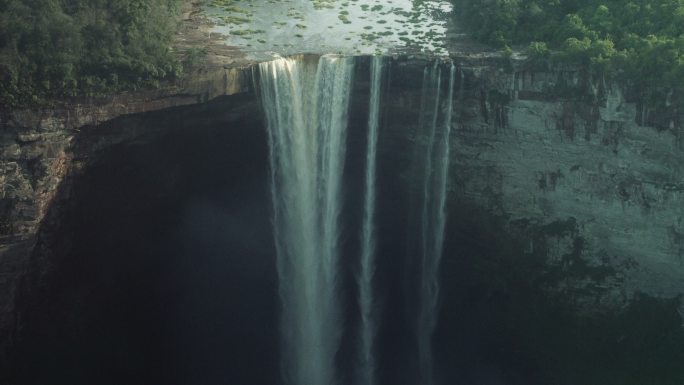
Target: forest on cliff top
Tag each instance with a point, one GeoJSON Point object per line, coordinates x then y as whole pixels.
{"type": "Point", "coordinates": [51, 49]}
{"type": "Point", "coordinates": [57, 48]}
{"type": "Point", "coordinates": [638, 41]}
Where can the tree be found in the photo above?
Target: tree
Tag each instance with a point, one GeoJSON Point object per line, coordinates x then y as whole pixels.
{"type": "Point", "coordinates": [56, 48]}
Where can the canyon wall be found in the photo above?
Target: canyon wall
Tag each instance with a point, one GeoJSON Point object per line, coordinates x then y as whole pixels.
{"type": "Point", "coordinates": [586, 178]}
{"type": "Point", "coordinates": [575, 167]}
{"type": "Point", "coordinates": [590, 178]}
{"type": "Point", "coordinates": [40, 148]}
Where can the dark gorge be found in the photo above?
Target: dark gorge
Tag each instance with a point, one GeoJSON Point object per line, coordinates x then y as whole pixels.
{"type": "Point", "coordinates": [171, 253]}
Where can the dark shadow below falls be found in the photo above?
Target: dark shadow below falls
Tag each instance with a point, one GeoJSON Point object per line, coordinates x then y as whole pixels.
{"type": "Point", "coordinates": [162, 271]}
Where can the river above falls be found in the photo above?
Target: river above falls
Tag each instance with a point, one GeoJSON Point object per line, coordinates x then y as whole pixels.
{"type": "Point", "coordinates": [263, 29]}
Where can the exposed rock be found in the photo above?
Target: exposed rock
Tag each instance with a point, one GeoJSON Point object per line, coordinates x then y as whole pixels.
{"type": "Point", "coordinates": [560, 151]}
{"type": "Point", "coordinates": [567, 164]}
{"type": "Point", "coordinates": [588, 178]}
{"type": "Point", "coordinates": [36, 154]}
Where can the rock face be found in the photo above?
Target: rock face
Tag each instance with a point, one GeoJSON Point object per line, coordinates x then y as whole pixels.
{"type": "Point", "coordinates": [587, 179]}
{"type": "Point", "coordinates": [550, 147]}
{"type": "Point", "coordinates": [584, 177]}
{"type": "Point", "coordinates": [37, 152]}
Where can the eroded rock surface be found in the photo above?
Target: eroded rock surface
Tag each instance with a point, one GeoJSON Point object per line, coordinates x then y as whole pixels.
{"type": "Point", "coordinates": [578, 172]}
{"type": "Point", "coordinates": [583, 176]}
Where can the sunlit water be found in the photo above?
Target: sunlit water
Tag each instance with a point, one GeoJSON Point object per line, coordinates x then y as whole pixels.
{"type": "Point", "coordinates": [306, 102]}
{"type": "Point", "coordinates": [262, 28]}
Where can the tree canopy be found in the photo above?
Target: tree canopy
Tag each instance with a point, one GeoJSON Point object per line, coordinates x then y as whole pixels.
{"type": "Point", "coordinates": [56, 48]}
{"type": "Point", "coordinates": [639, 40]}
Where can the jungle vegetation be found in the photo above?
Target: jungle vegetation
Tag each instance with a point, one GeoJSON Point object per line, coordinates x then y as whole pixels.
{"type": "Point", "coordinates": [640, 41]}
{"type": "Point", "coordinates": [51, 49]}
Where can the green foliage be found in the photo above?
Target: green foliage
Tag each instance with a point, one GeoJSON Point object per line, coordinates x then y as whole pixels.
{"type": "Point", "coordinates": [539, 49]}
{"type": "Point", "coordinates": [194, 56]}
{"type": "Point", "coordinates": [639, 40]}
{"type": "Point", "coordinates": [56, 48]}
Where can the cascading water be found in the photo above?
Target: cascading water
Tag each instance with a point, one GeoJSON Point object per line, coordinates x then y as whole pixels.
{"type": "Point", "coordinates": [433, 216]}
{"type": "Point", "coordinates": [306, 101]}
{"type": "Point", "coordinates": [365, 278]}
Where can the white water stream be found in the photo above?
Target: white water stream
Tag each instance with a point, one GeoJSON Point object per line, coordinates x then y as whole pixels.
{"type": "Point", "coordinates": [367, 301]}
{"type": "Point", "coordinates": [306, 101]}
{"type": "Point", "coordinates": [433, 216]}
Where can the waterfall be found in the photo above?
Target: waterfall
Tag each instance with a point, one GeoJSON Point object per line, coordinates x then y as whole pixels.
{"type": "Point", "coordinates": [306, 101]}
{"type": "Point", "coordinates": [433, 216]}
{"type": "Point", "coordinates": [365, 278]}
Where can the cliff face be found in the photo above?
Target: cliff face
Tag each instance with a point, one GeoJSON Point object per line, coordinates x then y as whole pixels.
{"type": "Point", "coordinates": [40, 148]}
{"type": "Point", "coordinates": [588, 179]}
{"type": "Point", "coordinates": [578, 175]}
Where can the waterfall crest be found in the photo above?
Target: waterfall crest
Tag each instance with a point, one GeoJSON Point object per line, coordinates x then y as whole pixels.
{"type": "Point", "coordinates": [433, 216]}
{"type": "Point", "coordinates": [306, 101]}
{"type": "Point", "coordinates": [365, 277]}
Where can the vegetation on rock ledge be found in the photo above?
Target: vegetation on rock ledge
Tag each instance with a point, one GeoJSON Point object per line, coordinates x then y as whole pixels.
{"type": "Point", "coordinates": [57, 48]}
{"type": "Point", "coordinates": [641, 41]}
